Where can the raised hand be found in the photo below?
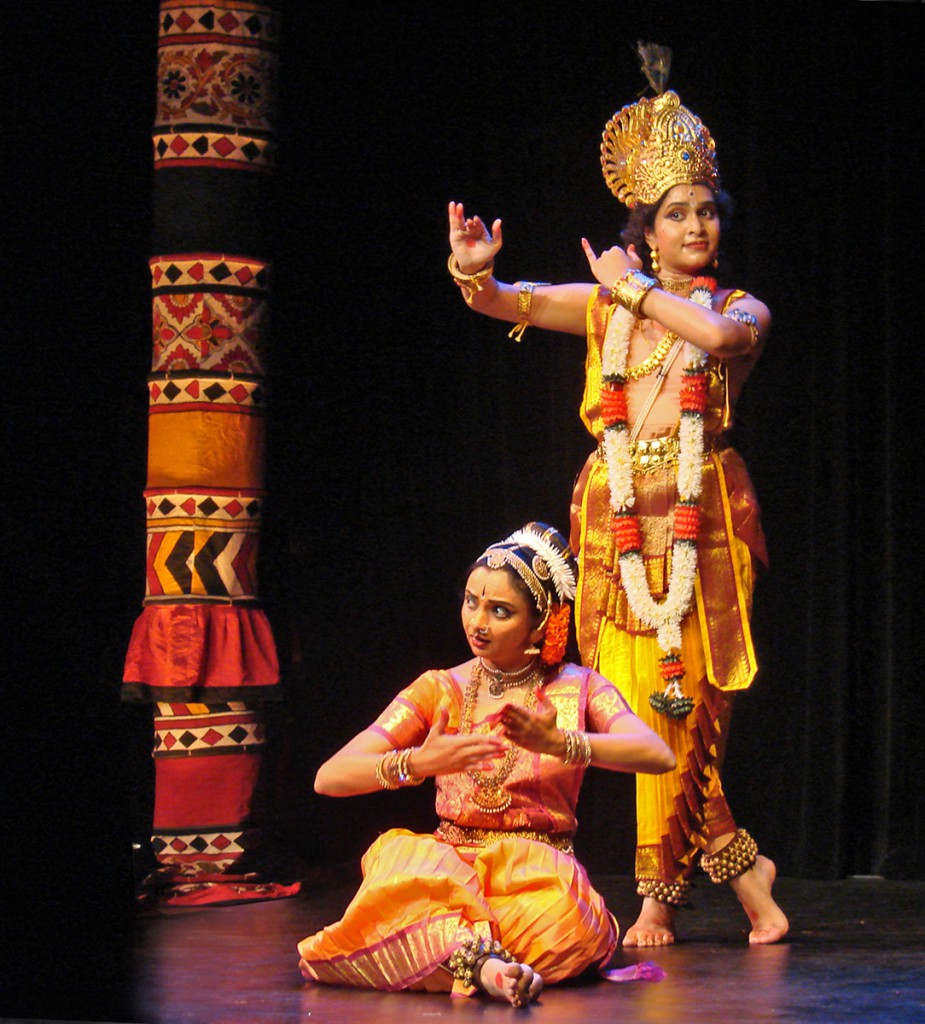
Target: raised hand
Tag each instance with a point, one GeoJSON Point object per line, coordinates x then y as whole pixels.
{"type": "Point", "coordinates": [443, 754]}
{"type": "Point", "coordinates": [473, 245]}
{"type": "Point", "coordinates": [613, 263]}
{"type": "Point", "coordinates": [534, 730]}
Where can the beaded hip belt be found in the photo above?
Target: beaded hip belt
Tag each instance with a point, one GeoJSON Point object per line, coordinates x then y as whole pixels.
{"type": "Point", "coordinates": [470, 835]}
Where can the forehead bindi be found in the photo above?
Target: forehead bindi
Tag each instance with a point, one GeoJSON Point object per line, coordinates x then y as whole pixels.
{"type": "Point", "coordinates": [688, 197]}
{"type": "Point", "coordinates": [495, 585]}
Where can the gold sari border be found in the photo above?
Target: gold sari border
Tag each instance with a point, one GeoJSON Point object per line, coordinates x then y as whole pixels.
{"type": "Point", "coordinates": [471, 835]}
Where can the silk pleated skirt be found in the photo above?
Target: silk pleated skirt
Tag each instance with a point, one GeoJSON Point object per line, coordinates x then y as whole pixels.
{"type": "Point", "coordinates": [421, 898]}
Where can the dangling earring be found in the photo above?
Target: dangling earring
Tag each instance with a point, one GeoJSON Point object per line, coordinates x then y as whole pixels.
{"type": "Point", "coordinates": [534, 648]}
{"type": "Point", "coordinates": [653, 260]}
{"type": "Point", "coordinates": [716, 262]}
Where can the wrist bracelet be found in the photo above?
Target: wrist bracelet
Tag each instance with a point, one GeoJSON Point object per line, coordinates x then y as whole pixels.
{"type": "Point", "coordinates": [577, 748]}
{"type": "Point", "coordinates": [470, 283]}
{"type": "Point", "coordinates": [629, 290]}
{"type": "Point", "coordinates": [393, 769]}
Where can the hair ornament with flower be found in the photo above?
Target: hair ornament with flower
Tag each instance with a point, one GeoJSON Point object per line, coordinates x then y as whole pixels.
{"type": "Point", "coordinates": [540, 555]}
{"type": "Point", "coordinates": [665, 616]}
{"type": "Point", "coordinates": [559, 571]}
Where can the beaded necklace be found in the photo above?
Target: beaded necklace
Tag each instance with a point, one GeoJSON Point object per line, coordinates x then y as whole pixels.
{"type": "Point", "coordinates": [501, 682]}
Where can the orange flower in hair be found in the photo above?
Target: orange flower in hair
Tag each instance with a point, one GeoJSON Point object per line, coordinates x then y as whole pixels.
{"type": "Point", "coordinates": [553, 650]}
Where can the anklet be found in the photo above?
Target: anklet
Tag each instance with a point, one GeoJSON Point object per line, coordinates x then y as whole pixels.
{"type": "Point", "coordinates": [733, 860]}
{"type": "Point", "coordinates": [675, 894]}
{"type": "Point", "coordinates": [466, 962]}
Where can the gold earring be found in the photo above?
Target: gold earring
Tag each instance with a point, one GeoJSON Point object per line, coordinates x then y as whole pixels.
{"type": "Point", "coordinates": [653, 260]}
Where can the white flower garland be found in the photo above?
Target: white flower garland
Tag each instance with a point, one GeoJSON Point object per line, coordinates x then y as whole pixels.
{"type": "Point", "coordinates": [664, 617]}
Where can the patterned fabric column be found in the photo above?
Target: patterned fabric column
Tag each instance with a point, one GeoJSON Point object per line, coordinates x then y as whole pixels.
{"type": "Point", "coordinates": [202, 651]}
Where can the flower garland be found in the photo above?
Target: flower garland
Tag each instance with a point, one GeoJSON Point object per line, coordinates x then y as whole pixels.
{"type": "Point", "coordinates": [664, 617]}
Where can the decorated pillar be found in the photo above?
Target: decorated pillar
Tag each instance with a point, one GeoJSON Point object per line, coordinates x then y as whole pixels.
{"type": "Point", "coordinates": [202, 651]}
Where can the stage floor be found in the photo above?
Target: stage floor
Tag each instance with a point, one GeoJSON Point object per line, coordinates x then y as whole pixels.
{"type": "Point", "coordinates": [856, 952]}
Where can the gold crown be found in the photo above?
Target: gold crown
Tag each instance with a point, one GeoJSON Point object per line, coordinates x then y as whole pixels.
{"type": "Point", "coordinates": [654, 144]}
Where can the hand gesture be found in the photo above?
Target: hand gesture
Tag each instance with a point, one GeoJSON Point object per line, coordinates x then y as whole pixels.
{"type": "Point", "coordinates": [442, 754]}
{"type": "Point", "coordinates": [533, 730]}
{"type": "Point", "coordinates": [473, 245]}
{"type": "Point", "coordinates": [613, 263]}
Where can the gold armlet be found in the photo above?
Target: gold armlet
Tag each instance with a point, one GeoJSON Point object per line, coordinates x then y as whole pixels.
{"type": "Point", "coordinates": [629, 291]}
{"type": "Point", "coordinates": [742, 316]}
{"type": "Point", "coordinates": [470, 283]}
{"type": "Point", "coordinates": [524, 302]}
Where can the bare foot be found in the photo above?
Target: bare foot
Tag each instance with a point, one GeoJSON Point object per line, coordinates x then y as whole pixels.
{"type": "Point", "coordinates": [519, 984]}
{"type": "Point", "coordinates": [653, 927]}
{"type": "Point", "coordinates": [769, 923]}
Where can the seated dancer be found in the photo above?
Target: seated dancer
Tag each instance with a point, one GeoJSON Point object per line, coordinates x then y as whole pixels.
{"type": "Point", "coordinates": [493, 900]}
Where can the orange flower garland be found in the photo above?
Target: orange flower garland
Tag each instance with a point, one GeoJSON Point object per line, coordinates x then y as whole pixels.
{"type": "Point", "coordinates": [613, 404]}
{"type": "Point", "coordinates": [625, 526]}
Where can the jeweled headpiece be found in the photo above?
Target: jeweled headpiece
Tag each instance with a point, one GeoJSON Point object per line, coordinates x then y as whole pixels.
{"type": "Point", "coordinates": [654, 144]}
{"type": "Point", "coordinates": [541, 557]}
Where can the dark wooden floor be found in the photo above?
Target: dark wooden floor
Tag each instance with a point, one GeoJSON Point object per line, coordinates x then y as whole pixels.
{"type": "Point", "coordinates": [856, 953]}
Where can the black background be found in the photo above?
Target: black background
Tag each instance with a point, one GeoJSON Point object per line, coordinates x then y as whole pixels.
{"type": "Point", "coordinates": [405, 433]}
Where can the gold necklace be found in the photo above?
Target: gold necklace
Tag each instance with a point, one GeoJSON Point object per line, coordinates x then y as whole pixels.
{"type": "Point", "coordinates": [501, 682]}
{"type": "Point", "coordinates": [655, 358]}
{"type": "Point", "coordinates": [676, 285]}
{"type": "Point", "coordinates": [488, 794]}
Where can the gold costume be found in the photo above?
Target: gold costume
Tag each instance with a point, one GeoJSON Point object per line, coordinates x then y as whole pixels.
{"type": "Point", "coordinates": [679, 811]}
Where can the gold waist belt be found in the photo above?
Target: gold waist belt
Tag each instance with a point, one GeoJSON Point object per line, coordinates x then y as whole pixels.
{"type": "Point", "coordinates": [651, 453]}
{"type": "Point", "coordinates": [470, 835]}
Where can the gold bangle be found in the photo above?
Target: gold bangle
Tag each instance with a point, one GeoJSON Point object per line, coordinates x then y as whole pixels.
{"type": "Point", "coordinates": [629, 291]}
{"type": "Point", "coordinates": [577, 748]}
{"type": "Point", "coordinates": [524, 302]}
{"type": "Point", "coordinates": [383, 772]}
{"type": "Point", "coordinates": [393, 769]}
{"type": "Point", "coordinates": [470, 283]}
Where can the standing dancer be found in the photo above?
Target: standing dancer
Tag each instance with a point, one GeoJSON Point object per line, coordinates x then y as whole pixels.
{"type": "Point", "coordinates": [665, 520]}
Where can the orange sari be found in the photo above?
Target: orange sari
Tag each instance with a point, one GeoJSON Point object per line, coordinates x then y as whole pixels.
{"type": "Point", "coordinates": [508, 876]}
